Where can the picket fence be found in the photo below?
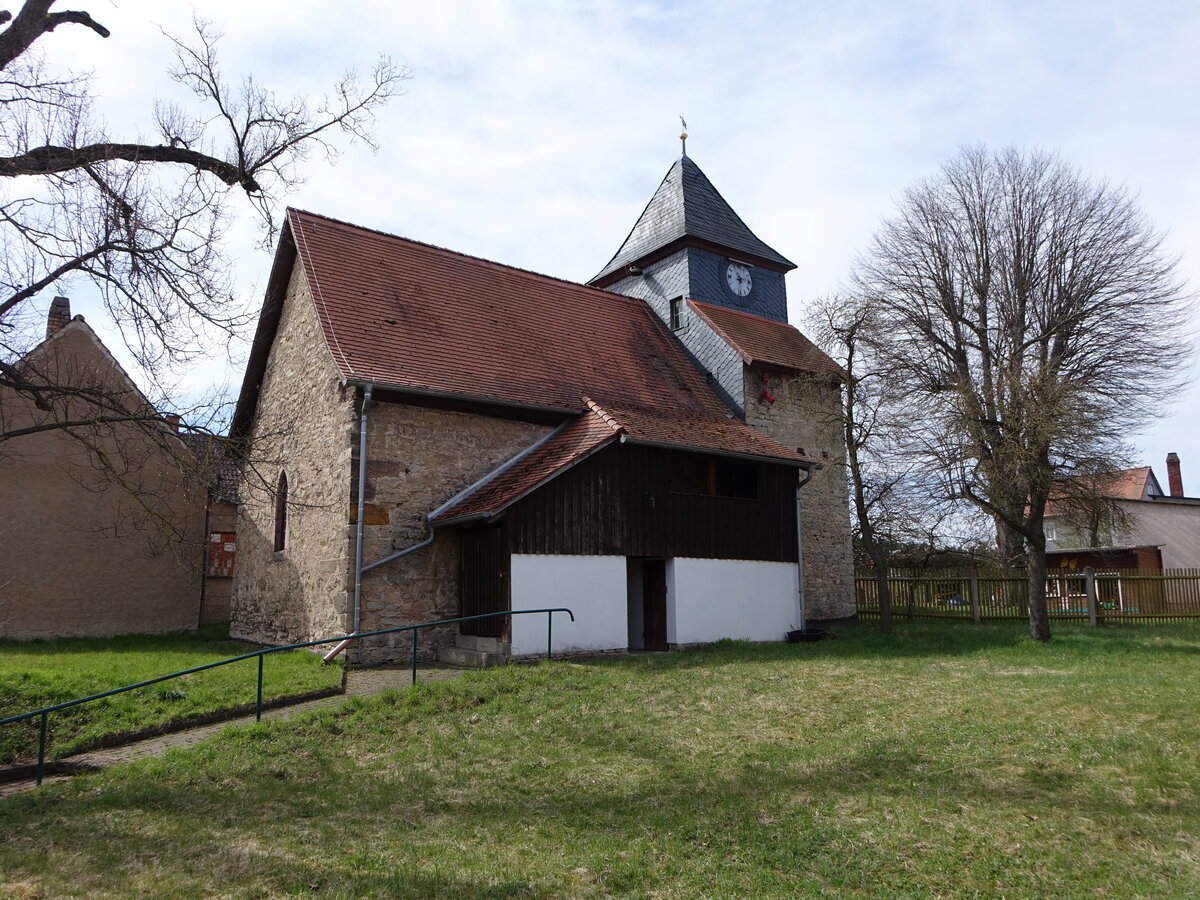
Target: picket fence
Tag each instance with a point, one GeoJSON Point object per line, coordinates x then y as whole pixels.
{"type": "Point", "coordinates": [1092, 595]}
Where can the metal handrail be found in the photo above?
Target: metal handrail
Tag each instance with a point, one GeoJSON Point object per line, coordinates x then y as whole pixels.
{"type": "Point", "coordinates": [44, 712]}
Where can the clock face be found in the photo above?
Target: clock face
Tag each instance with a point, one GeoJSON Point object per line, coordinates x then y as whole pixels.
{"type": "Point", "coordinates": [737, 277]}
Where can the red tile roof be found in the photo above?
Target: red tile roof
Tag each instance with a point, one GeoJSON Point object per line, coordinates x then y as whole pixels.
{"type": "Point", "coordinates": [411, 316]}
{"type": "Point", "coordinates": [765, 341]}
{"type": "Point", "coordinates": [668, 427]}
{"type": "Point", "coordinates": [571, 443]}
{"type": "Point", "coordinates": [1124, 484]}
{"type": "Point", "coordinates": [1129, 484]}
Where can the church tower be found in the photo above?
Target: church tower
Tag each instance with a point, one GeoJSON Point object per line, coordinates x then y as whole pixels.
{"type": "Point", "coordinates": [720, 290]}
{"type": "Point", "coordinates": [689, 242]}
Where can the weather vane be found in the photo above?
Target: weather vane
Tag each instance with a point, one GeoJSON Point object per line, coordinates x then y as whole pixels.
{"type": "Point", "coordinates": [683, 134]}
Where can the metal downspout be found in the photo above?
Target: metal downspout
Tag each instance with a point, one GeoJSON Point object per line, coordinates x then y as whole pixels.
{"type": "Point", "coordinates": [362, 508]}
{"type": "Point", "coordinates": [359, 524]}
{"type": "Point", "coordinates": [329, 657]}
{"type": "Point", "coordinates": [800, 553]}
{"type": "Point", "coordinates": [359, 568]}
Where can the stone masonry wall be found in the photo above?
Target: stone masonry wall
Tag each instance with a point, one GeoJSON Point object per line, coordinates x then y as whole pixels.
{"type": "Point", "coordinates": [806, 416]}
{"type": "Point", "coordinates": [303, 426]}
{"type": "Point", "coordinates": [417, 459]}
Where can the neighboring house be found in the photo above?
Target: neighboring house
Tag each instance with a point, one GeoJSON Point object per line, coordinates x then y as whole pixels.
{"type": "Point", "coordinates": [638, 454]}
{"type": "Point", "coordinates": [100, 526]}
{"type": "Point", "coordinates": [217, 468]}
{"type": "Point", "coordinates": [1125, 521]}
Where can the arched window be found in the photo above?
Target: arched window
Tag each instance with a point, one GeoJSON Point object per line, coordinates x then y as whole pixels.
{"type": "Point", "coordinates": [281, 499]}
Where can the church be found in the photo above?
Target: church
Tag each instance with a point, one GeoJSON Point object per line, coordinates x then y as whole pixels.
{"type": "Point", "coordinates": [431, 435]}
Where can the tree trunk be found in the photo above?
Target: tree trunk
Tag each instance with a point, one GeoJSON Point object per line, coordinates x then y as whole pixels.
{"type": "Point", "coordinates": [884, 590]}
{"type": "Point", "coordinates": [878, 560]}
{"type": "Point", "coordinates": [1010, 543]}
{"type": "Point", "coordinates": [1039, 618]}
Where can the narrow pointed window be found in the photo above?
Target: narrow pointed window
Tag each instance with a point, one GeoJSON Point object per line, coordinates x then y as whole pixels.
{"type": "Point", "coordinates": [281, 510]}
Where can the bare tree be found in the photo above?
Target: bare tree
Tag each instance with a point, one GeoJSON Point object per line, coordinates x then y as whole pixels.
{"type": "Point", "coordinates": [143, 222]}
{"type": "Point", "coordinates": [844, 326]}
{"type": "Point", "coordinates": [1033, 316]}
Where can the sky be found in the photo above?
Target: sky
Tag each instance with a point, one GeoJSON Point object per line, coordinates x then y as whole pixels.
{"type": "Point", "coordinates": [533, 133]}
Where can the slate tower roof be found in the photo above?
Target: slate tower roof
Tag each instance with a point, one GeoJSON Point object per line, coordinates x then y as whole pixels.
{"type": "Point", "coordinates": [687, 206]}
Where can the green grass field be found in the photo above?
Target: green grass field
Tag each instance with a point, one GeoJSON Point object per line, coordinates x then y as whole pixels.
{"type": "Point", "coordinates": [945, 761]}
{"type": "Point", "coordinates": [35, 674]}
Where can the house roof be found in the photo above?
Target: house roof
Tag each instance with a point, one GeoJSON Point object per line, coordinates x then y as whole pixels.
{"type": "Point", "coordinates": [1129, 484]}
{"type": "Point", "coordinates": [218, 465]}
{"type": "Point", "coordinates": [1123, 484]}
{"type": "Point", "coordinates": [1121, 548]}
{"type": "Point", "coordinates": [687, 205]}
{"type": "Point", "coordinates": [595, 429]}
{"type": "Point", "coordinates": [420, 319]}
{"type": "Point", "coordinates": [765, 341]}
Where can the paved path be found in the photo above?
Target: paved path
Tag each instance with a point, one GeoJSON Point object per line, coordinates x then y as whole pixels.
{"type": "Point", "coordinates": [359, 683]}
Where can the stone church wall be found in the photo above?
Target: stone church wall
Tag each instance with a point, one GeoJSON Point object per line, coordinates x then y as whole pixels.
{"type": "Point", "coordinates": [417, 459]}
{"type": "Point", "coordinates": [806, 416]}
{"type": "Point", "coordinates": [303, 427]}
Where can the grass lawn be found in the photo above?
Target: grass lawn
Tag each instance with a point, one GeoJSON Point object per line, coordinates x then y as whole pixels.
{"type": "Point", "coordinates": [945, 761]}
{"type": "Point", "coordinates": [42, 673]}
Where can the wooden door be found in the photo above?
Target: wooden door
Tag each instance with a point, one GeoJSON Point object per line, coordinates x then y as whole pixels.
{"type": "Point", "coordinates": [654, 603]}
{"type": "Point", "coordinates": [481, 582]}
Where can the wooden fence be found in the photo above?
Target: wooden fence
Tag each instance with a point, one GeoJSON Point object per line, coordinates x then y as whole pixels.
{"type": "Point", "coordinates": [1092, 595]}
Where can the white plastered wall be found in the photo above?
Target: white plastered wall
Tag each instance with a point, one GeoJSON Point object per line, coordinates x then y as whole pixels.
{"type": "Point", "coordinates": [593, 587]}
{"type": "Point", "coordinates": [710, 599]}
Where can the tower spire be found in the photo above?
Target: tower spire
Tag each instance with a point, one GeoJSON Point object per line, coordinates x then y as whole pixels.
{"type": "Point", "coordinates": [683, 134]}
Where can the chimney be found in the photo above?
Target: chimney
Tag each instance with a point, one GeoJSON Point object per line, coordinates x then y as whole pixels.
{"type": "Point", "coordinates": [1174, 479]}
{"type": "Point", "coordinates": [173, 421]}
{"type": "Point", "coordinates": [60, 315]}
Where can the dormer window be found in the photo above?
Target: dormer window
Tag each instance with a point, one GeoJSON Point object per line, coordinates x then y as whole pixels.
{"type": "Point", "coordinates": [676, 315]}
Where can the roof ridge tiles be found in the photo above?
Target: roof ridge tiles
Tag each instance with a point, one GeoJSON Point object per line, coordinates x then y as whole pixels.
{"type": "Point", "coordinates": [604, 415]}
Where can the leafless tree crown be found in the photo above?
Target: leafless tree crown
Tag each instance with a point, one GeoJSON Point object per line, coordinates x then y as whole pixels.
{"type": "Point", "coordinates": [1035, 321]}
{"type": "Point", "coordinates": [144, 221]}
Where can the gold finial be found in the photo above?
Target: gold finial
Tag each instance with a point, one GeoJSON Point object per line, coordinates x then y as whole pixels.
{"type": "Point", "coordinates": [683, 134]}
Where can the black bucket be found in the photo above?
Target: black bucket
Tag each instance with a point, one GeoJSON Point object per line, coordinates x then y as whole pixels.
{"type": "Point", "coordinates": [808, 635]}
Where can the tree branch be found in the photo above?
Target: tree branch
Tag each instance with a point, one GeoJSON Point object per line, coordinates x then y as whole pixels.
{"type": "Point", "coordinates": [50, 160]}
{"type": "Point", "coordinates": [32, 21]}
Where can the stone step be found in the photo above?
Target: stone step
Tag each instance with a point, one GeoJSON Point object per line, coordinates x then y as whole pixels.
{"type": "Point", "coordinates": [470, 659]}
{"type": "Point", "coordinates": [482, 644]}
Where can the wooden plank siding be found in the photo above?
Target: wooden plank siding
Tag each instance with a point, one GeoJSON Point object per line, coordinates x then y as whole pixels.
{"type": "Point", "coordinates": [621, 502]}
{"type": "Point", "coordinates": [483, 579]}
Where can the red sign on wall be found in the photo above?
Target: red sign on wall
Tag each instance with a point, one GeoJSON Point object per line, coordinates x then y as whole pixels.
{"type": "Point", "coordinates": [222, 552]}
